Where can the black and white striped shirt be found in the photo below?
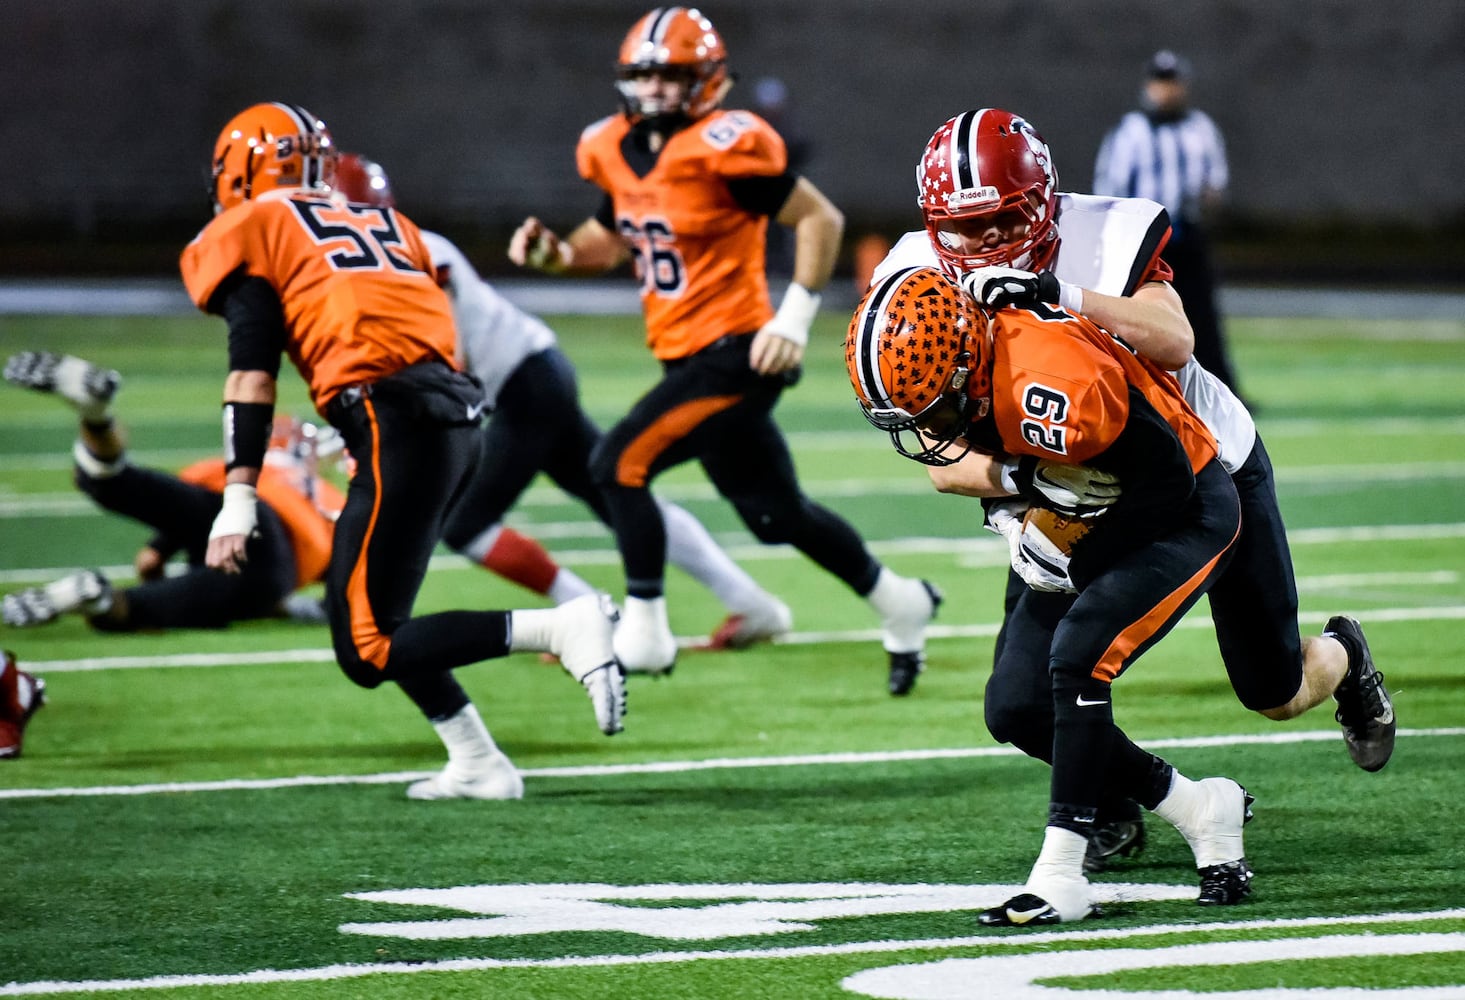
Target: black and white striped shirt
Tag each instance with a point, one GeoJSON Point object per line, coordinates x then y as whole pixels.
{"type": "Point", "coordinates": [1172, 162]}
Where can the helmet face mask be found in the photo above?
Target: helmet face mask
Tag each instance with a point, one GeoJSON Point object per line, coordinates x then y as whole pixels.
{"type": "Point", "coordinates": [269, 147]}
{"type": "Point", "coordinates": [918, 358]}
{"type": "Point", "coordinates": [985, 170]}
{"type": "Point", "coordinates": [676, 44]}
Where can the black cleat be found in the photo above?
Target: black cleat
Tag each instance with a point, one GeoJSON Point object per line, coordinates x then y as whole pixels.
{"type": "Point", "coordinates": [1121, 834]}
{"type": "Point", "coordinates": [904, 669]}
{"type": "Point", "coordinates": [1224, 885]}
{"type": "Point", "coordinates": [1365, 710]}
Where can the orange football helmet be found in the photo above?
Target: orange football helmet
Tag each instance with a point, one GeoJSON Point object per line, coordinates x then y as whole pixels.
{"type": "Point", "coordinates": [919, 357]}
{"type": "Point", "coordinates": [271, 146]}
{"type": "Point", "coordinates": [678, 41]}
{"type": "Point", "coordinates": [983, 163]}
{"type": "Point", "coordinates": [363, 181]}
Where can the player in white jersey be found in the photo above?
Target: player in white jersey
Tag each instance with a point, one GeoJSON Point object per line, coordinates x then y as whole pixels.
{"type": "Point", "coordinates": [537, 424]}
{"type": "Point", "coordinates": [996, 223]}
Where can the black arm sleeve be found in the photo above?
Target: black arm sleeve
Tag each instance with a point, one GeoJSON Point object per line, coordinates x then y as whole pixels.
{"type": "Point", "coordinates": [256, 321]}
{"type": "Point", "coordinates": [606, 213]}
{"type": "Point", "coordinates": [762, 195]}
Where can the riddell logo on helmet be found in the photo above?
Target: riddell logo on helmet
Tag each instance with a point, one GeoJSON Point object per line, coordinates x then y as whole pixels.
{"type": "Point", "coordinates": [972, 198]}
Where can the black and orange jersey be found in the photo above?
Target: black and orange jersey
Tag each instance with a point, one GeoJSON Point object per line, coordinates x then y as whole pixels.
{"type": "Point", "coordinates": [699, 254]}
{"type": "Point", "coordinates": [1061, 389]}
{"type": "Point", "coordinates": [355, 282]}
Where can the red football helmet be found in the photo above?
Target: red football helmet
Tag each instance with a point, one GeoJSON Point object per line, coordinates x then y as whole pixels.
{"type": "Point", "coordinates": [678, 41]}
{"type": "Point", "coordinates": [989, 165]}
{"type": "Point", "coordinates": [363, 181]}
{"type": "Point", "coordinates": [270, 146]}
{"type": "Point", "coordinates": [919, 357]}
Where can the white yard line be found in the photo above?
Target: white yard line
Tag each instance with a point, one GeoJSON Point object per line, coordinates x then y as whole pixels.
{"type": "Point", "coordinates": [679, 766]}
{"type": "Point", "coordinates": [330, 973]}
{"type": "Point", "coordinates": [975, 630]}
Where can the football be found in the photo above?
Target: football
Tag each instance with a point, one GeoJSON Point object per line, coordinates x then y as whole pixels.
{"type": "Point", "coordinates": [1064, 532]}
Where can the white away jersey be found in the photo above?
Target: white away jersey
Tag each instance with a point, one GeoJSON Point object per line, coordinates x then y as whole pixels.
{"type": "Point", "coordinates": [494, 335]}
{"type": "Point", "coordinates": [1106, 244]}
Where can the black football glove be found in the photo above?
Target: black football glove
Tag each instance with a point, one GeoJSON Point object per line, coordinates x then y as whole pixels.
{"type": "Point", "coordinates": [995, 287]}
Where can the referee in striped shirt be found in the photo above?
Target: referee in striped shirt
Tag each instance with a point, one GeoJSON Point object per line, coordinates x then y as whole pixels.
{"type": "Point", "coordinates": [1172, 153]}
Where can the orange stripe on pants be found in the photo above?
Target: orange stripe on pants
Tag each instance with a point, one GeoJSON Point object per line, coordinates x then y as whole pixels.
{"type": "Point", "coordinates": [635, 463]}
{"type": "Point", "coordinates": [1140, 632]}
{"type": "Point", "coordinates": [371, 645]}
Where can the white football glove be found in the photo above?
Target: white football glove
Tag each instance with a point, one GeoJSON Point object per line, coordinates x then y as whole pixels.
{"type": "Point", "coordinates": [1040, 564]}
{"type": "Point", "coordinates": [1075, 490]}
{"type": "Point", "coordinates": [995, 287]}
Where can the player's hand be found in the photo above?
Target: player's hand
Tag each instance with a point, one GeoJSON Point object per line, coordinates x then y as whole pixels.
{"type": "Point", "coordinates": [996, 287]}
{"type": "Point", "coordinates": [773, 353]}
{"type": "Point", "coordinates": [536, 245]}
{"type": "Point", "coordinates": [148, 564]}
{"type": "Point", "coordinates": [779, 345]}
{"type": "Point", "coordinates": [1033, 557]}
{"type": "Point", "coordinates": [1075, 490]}
{"type": "Point", "coordinates": [237, 521]}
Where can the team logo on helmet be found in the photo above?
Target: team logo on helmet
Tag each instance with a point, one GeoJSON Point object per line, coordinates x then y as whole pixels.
{"type": "Point", "coordinates": [267, 147]}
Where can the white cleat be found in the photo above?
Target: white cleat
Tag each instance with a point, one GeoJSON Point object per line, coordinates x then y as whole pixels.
{"type": "Point", "coordinates": [86, 591]}
{"type": "Point", "coordinates": [81, 383]}
{"type": "Point", "coordinates": [495, 779]}
{"type": "Point", "coordinates": [581, 638]}
{"type": "Point", "coordinates": [643, 641]}
{"type": "Point", "coordinates": [767, 623]}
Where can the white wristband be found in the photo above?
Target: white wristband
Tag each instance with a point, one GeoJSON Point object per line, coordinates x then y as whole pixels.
{"type": "Point", "coordinates": [238, 515]}
{"type": "Point", "coordinates": [1005, 471]}
{"type": "Point", "coordinates": [1070, 297]}
{"type": "Point", "coordinates": [796, 314]}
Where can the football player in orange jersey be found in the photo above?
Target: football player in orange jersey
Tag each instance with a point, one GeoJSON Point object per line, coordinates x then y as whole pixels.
{"type": "Point", "coordinates": [996, 222]}
{"type": "Point", "coordinates": [1044, 386]}
{"type": "Point", "coordinates": [297, 514]}
{"type": "Point", "coordinates": [689, 189]}
{"type": "Point", "coordinates": [538, 424]}
{"type": "Point", "coordinates": [347, 291]}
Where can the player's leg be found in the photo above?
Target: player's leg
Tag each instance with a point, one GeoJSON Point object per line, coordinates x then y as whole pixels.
{"type": "Point", "coordinates": [750, 464]}
{"type": "Point", "coordinates": [476, 768]}
{"type": "Point", "coordinates": [1123, 611]}
{"type": "Point", "coordinates": [409, 469]}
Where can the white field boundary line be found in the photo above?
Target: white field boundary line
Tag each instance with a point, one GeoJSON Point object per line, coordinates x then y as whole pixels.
{"type": "Point", "coordinates": [981, 549]}
{"type": "Point", "coordinates": [72, 504]}
{"type": "Point", "coordinates": [1197, 620]}
{"type": "Point", "coordinates": [680, 766]}
{"type": "Point", "coordinates": [1036, 938]}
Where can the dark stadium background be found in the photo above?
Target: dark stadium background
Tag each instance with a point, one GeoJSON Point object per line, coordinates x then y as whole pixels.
{"type": "Point", "coordinates": [1343, 118]}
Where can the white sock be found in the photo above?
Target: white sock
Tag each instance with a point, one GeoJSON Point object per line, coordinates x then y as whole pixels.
{"type": "Point", "coordinates": [567, 586]}
{"type": "Point", "coordinates": [75, 593]}
{"type": "Point", "coordinates": [1179, 806]}
{"type": "Point", "coordinates": [467, 739]}
{"type": "Point", "coordinates": [691, 548]}
{"type": "Point", "coordinates": [1063, 852]}
{"type": "Point", "coordinates": [531, 629]}
{"type": "Point", "coordinates": [904, 607]}
{"type": "Point", "coordinates": [95, 467]}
